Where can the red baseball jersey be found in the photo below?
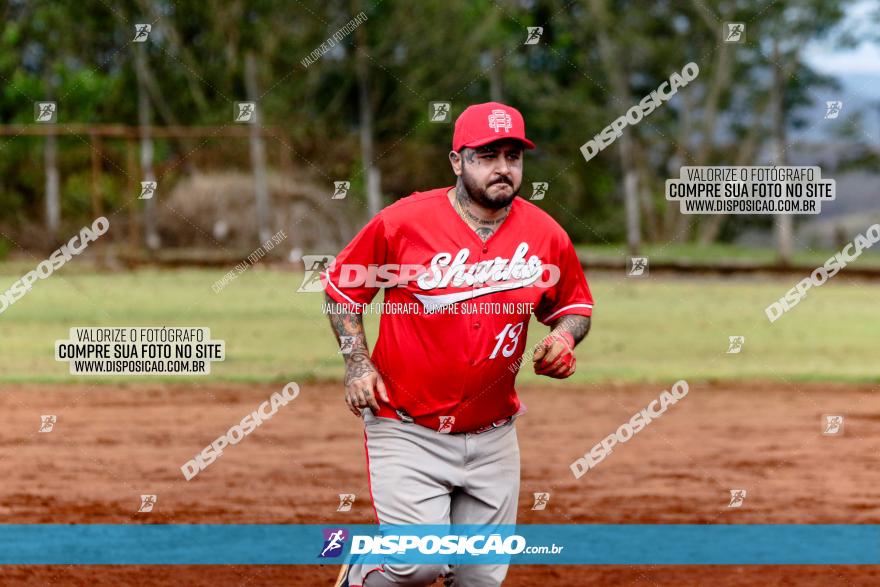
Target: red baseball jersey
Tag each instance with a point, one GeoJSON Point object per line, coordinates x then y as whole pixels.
{"type": "Point", "coordinates": [453, 326]}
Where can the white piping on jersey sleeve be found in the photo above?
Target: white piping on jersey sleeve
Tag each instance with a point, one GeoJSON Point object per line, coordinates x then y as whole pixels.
{"type": "Point", "coordinates": [561, 310]}
{"type": "Point", "coordinates": [337, 290]}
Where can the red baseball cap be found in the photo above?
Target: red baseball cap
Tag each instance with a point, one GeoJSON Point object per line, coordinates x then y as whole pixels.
{"type": "Point", "coordinates": [482, 124]}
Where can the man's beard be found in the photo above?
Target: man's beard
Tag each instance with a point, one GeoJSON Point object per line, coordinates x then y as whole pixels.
{"type": "Point", "coordinates": [481, 197]}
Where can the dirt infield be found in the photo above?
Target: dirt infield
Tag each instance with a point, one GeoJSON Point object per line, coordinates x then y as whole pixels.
{"type": "Point", "coordinates": [112, 444]}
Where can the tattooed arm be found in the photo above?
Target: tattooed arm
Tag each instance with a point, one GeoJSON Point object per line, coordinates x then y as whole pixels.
{"type": "Point", "coordinates": [577, 326]}
{"type": "Point", "coordinates": [555, 355]}
{"type": "Point", "coordinates": [362, 379]}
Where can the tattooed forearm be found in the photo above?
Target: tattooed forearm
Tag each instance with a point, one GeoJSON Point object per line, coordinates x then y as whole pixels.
{"type": "Point", "coordinates": [357, 365]}
{"type": "Point", "coordinates": [348, 324]}
{"type": "Point", "coordinates": [577, 326]}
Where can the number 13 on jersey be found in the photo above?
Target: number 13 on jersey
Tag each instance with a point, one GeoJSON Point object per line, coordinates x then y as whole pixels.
{"type": "Point", "coordinates": [510, 332]}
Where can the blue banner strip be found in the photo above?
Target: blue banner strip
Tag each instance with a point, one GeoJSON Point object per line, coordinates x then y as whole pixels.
{"type": "Point", "coordinates": [582, 544]}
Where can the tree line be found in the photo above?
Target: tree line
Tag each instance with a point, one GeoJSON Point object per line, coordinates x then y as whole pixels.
{"type": "Point", "coordinates": [357, 109]}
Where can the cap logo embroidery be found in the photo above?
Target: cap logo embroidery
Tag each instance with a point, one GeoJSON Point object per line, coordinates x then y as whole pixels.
{"type": "Point", "coordinates": [500, 119]}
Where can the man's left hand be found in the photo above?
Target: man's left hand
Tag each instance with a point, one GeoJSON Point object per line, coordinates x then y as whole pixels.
{"type": "Point", "coordinates": [555, 355]}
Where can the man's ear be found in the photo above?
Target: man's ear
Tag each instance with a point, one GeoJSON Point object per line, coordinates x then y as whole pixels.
{"type": "Point", "coordinates": [456, 162]}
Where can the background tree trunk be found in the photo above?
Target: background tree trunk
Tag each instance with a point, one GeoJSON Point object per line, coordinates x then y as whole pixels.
{"type": "Point", "coordinates": [53, 191]}
{"type": "Point", "coordinates": [620, 89]}
{"type": "Point", "coordinates": [371, 171]}
{"type": "Point", "coordinates": [784, 222]}
{"type": "Point", "coordinates": [147, 174]}
{"type": "Point", "coordinates": [496, 76]}
{"type": "Point", "coordinates": [53, 183]}
{"type": "Point", "coordinates": [258, 151]}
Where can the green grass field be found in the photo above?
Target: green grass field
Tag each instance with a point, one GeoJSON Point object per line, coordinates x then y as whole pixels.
{"type": "Point", "coordinates": [718, 253]}
{"type": "Point", "coordinates": [654, 329]}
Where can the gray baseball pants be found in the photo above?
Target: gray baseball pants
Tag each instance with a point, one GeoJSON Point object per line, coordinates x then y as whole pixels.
{"type": "Point", "coordinates": [419, 476]}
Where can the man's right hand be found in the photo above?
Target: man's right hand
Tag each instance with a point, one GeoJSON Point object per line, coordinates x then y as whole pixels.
{"type": "Point", "coordinates": [362, 383]}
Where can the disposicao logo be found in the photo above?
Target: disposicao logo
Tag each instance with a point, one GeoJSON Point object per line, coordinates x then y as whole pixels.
{"type": "Point", "coordinates": [334, 542]}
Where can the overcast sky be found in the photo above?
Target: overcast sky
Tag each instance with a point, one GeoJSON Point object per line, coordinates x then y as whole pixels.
{"type": "Point", "coordinates": [863, 59]}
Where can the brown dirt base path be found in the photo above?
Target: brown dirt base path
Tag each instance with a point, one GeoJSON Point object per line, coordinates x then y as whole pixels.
{"type": "Point", "coordinates": [113, 443]}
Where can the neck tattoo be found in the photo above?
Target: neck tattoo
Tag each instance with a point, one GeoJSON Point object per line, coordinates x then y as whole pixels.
{"type": "Point", "coordinates": [485, 228]}
{"type": "Point", "coordinates": [468, 215]}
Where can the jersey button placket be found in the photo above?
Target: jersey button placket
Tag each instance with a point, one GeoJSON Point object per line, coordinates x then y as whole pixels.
{"type": "Point", "coordinates": [476, 324]}
{"type": "Point", "coordinates": [475, 321]}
